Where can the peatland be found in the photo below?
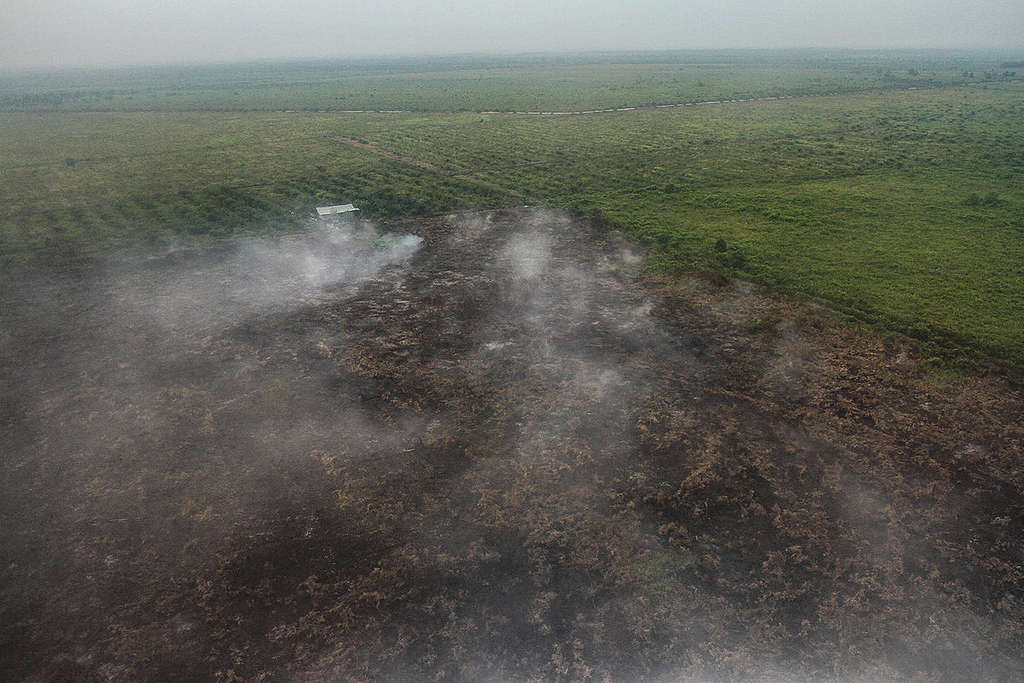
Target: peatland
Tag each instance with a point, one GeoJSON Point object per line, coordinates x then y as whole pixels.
{"type": "Point", "coordinates": [699, 366]}
{"type": "Point", "coordinates": [498, 453]}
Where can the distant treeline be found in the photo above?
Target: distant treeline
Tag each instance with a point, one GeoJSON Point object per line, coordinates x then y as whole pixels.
{"type": "Point", "coordinates": [544, 81]}
{"type": "Point", "coordinates": [40, 100]}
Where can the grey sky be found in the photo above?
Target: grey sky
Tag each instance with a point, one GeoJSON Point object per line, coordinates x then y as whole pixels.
{"type": "Point", "coordinates": [83, 32]}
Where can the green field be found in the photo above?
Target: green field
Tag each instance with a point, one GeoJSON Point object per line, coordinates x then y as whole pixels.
{"type": "Point", "coordinates": [519, 83]}
{"type": "Point", "coordinates": [889, 187]}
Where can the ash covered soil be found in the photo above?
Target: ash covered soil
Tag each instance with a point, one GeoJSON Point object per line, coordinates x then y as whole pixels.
{"type": "Point", "coordinates": [488, 447]}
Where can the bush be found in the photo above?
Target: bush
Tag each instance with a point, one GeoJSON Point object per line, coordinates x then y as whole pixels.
{"type": "Point", "coordinates": [732, 258]}
{"type": "Point", "coordinates": [755, 325]}
{"type": "Point", "coordinates": [988, 199]}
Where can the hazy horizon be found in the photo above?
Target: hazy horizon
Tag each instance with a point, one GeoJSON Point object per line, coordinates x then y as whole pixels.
{"type": "Point", "coordinates": [146, 32]}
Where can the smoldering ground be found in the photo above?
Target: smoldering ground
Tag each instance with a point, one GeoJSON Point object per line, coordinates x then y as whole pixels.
{"type": "Point", "coordinates": [503, 455]}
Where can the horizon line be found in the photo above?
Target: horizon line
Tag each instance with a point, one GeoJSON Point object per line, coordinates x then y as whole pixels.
{"type": "Point", "coordinates": [510, 54]}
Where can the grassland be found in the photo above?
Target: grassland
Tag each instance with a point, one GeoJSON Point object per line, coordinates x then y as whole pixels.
{"type": "Point", "coordinates": [902, 208]}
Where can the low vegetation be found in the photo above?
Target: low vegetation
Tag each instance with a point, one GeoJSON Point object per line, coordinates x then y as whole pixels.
{"type": "Point", "coordinates": [901, 208]}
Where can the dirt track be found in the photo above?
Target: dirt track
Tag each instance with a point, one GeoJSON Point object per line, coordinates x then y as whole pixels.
{"type": "Point", "coordinates": [509, 457]}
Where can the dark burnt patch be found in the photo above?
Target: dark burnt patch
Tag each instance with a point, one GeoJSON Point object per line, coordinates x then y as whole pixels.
{"type": "Point", "coordinates": [511, 456]}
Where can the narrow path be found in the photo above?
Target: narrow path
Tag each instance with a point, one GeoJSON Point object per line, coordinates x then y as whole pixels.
{"type": "Point", "coordinates": [588, 112]}
{"type": "Point", "coordinates": [646, 107]}
{"type": "Point", "coordinates": [582, 112]}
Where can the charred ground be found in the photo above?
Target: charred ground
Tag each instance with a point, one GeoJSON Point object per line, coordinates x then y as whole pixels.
{"type": "Point", "coordinates": [509, 455]}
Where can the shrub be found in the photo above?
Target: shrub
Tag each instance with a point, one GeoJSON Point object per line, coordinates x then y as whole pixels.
{"type": "Point", "coordinates": [755, 325]}
{"type": "Point", "coordinates": [988, 199]}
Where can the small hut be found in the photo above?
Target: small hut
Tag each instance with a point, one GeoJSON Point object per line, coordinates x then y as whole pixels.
{"type": "Point", "coordinates": [335, 210]}
{"type": "Point", "coordinates": [337, 213]}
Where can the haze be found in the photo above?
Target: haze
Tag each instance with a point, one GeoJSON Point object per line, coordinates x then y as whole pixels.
{"type": "Point", "coordinates": [60, 33]}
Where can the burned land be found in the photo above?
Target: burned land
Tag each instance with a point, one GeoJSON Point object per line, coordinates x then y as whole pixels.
{"type": "Point", "coordinates": [488, 446]}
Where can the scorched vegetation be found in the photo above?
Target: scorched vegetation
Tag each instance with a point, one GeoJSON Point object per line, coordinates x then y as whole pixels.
{"type": "Point", "coordinates": [504, 456]}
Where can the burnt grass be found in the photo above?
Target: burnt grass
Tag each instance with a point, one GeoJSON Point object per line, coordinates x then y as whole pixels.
{"type": "Point", "coordinates": [515, 456]}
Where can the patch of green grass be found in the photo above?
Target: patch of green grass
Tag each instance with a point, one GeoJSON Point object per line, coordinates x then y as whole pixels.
{"type": "Point", "coordinates": [942, 374]}
{"type": "Point", "coordinates": [659, 575]}
{"type": "Point", "coordinates": [756, 325]}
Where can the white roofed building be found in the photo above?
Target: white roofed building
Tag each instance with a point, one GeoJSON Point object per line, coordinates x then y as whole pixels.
{"type": "Point", "coordinates": [332, 210]}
